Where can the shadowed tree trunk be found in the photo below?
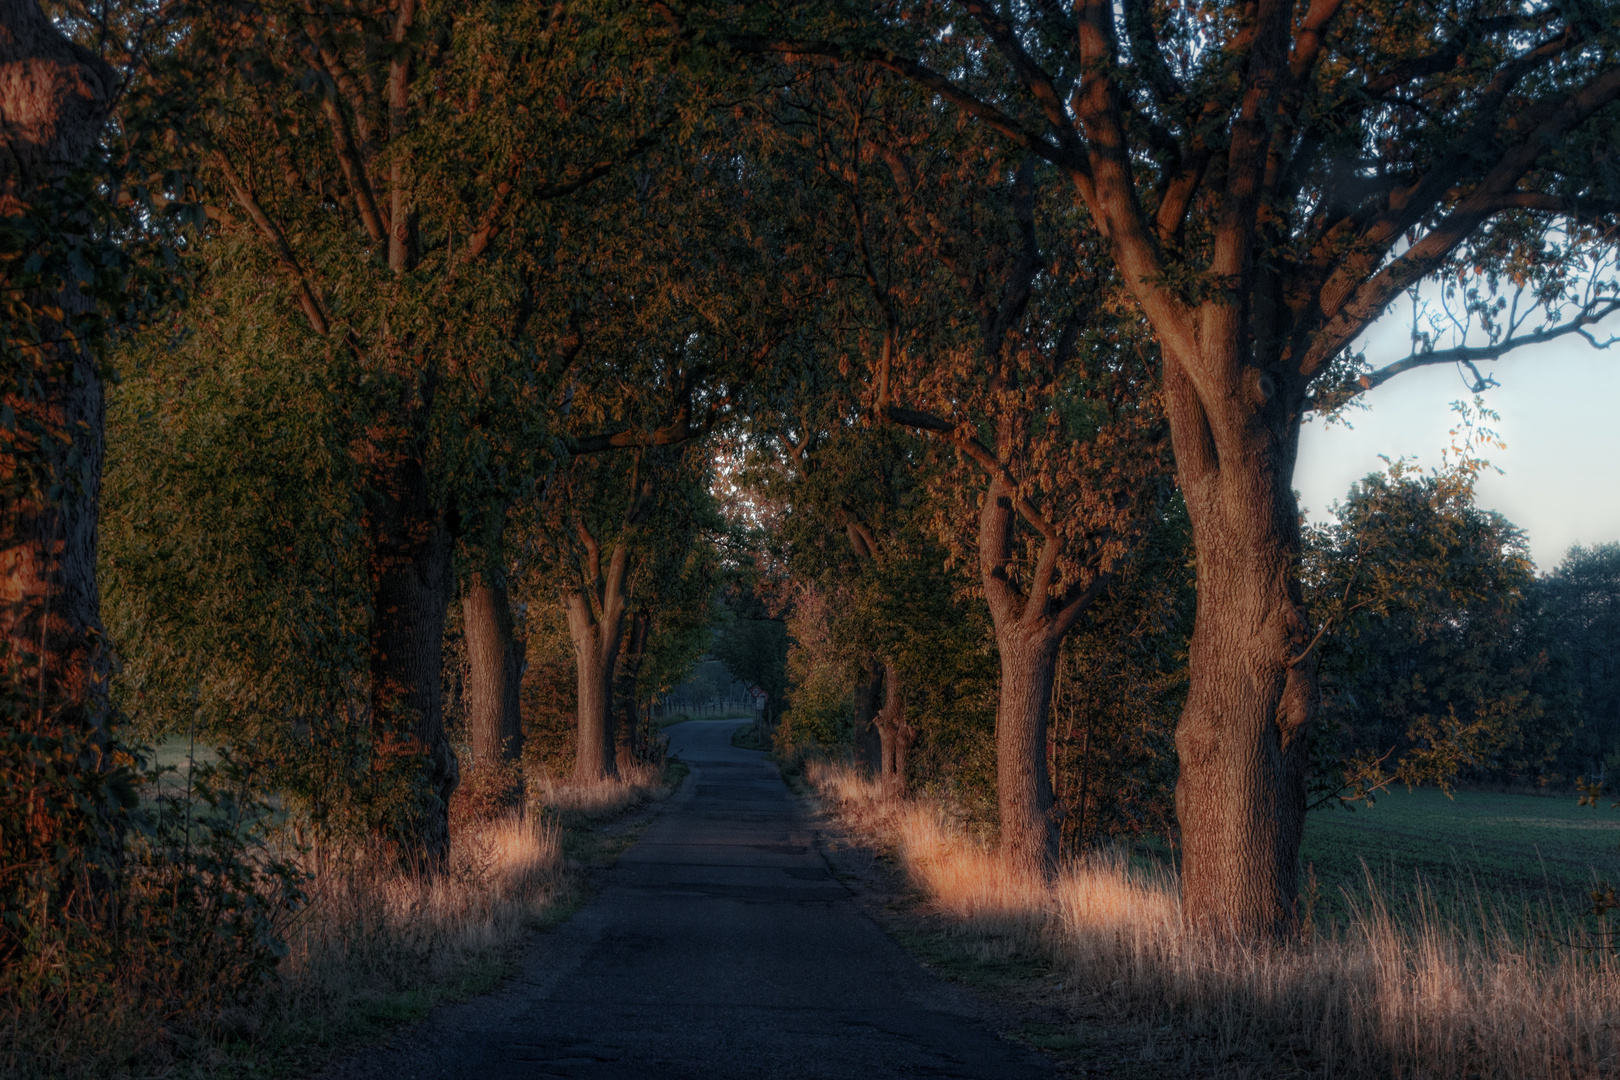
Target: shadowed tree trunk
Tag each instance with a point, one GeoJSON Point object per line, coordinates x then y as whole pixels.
{"type": "Point", "coordinates": [895, 735]}
{"type": "Point", "coordinates": [596, 615]}
{"type": "Point", "coordinates": [596, 652]}
{"type": "Point", "coordinates": [53, 103]}
{"type": "Point", "coordinates": [868, 740]}
{"type": "Point", "coordinates": [495, 676]}
{"type": "Point", "coordinates": [627, 730]}
{"type": "Point", "coordinates": [409, 564]}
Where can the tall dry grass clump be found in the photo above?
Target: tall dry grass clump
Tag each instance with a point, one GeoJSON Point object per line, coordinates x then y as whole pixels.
{"type": "Point", "coordinates": [373, 929]}
{"type": "Point", "coordinates": [597, 800]}
{"type": "Point", "coordinates": [1410, 995]}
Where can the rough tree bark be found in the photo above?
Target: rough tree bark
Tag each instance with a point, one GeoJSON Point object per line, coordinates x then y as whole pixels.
{"type": "Point", "coordinates": [896, 735]}
{"type": "Point", "coordinates": [410, 574]}
{"type": "Point", "coordinates": [1027, 647]}
{"type": "Point", "coordinates": [1241, 740]}
{"type": "Point", "coordinates": [627, 730]}
{"type": "Point", "coordinates": [54, 98]}
{"type": "Point", "coordinates": [495, 676]}
{"type": "Point", "coordinates": [1029, 632]}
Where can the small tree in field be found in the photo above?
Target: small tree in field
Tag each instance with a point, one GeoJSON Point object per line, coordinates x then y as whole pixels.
{"type": "Point", "coordinates": [1427, 672]}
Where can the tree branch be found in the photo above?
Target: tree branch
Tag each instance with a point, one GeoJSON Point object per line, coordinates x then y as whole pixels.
{"type": "Point", "coordinates": [892, 61]}
{"type": "Point", "coordinates": [1591, 315]}
{"type": "Point", "coordinates": [277, 240]}
{"type": "Point", "coordinates": [975, 450]}
{"type": "Point", "coordinates": [399, 70]}
{"type": "Point", "coordinates": [1346, 312]}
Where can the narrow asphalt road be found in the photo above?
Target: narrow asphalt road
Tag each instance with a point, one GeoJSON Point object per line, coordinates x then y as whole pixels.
{"type": "Point", "coordinates": [719, 946]}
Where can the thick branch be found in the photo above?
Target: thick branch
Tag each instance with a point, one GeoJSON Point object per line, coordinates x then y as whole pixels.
{"type": "Point", "coordinates": [672, 434]}
{"type": "Point", "coordinates": [399, 70]}
{"type": "Point", "coordinates": [1347, 312]}
{"type": "Point", "coordinates": [976, 450]}
{"type": "Point", "coordinates": [489, 223]}
{"type": "Point", "coordinates": [1109, 189]}
{"type": "Point", "coordinates": [354, 170]}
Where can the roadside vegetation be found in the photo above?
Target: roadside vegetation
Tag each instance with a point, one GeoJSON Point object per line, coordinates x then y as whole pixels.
{"type": "Point", "coordinates": [364, 945]}
{"type": "Point", "coordinates": [1401, 983]}
{"type": "Point", "coordinates": [410, 406]}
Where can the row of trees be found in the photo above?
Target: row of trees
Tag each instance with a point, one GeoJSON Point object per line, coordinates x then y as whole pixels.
{"type": "Point", "coordinates": [348, 349]}
{"type": "Point", "coordinates": [414, 303]}
{"type": "Point", "coordinates": [1444, 658]}
{"type": "Point", "coordinates": [1183, 216]}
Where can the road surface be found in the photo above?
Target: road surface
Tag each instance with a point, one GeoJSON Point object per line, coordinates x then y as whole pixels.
{"type": "Point", "coordinates": [719, 946]}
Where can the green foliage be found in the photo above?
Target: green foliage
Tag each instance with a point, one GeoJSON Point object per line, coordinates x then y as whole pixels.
{"type": "Point", "coordinates": [753, 646]}
{"type": "Point", "coordinates": [232, 562]}
{"type": "Point", "coordinates": [818, 716]}
{"type": "Point", "coordinates": [1122, 680]}
{"type": "Point", "coordinates": [1576, 621]}
{"type": "Point", "coordinates": [1425, 674]}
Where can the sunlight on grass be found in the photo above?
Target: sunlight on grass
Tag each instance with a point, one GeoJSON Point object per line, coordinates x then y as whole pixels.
{"type": "Point", "coordinates": [1416, 995]}
{"type": "Point", "coordinates": [372, 927]}
{"type": "Point", "coordinates": [594, 800]}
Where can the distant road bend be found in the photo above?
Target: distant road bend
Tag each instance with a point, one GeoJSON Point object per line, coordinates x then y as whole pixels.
{"type": "Point", "coordinates": [719, 946]}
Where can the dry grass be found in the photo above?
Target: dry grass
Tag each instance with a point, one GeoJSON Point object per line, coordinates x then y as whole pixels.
{"type": "Point", "coordinates": [373, 932]}
{"type": "Point", "coordinates": [597, 800]}
{"type": "Point", "coordinates": [1415, 996]}
{"type": "Point", "coordinates": [375, 945]}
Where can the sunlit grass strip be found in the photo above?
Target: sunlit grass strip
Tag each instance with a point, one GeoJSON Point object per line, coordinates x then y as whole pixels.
{"type": "Point", "coordinates": [374, 930]}
{"type": "Point", "coordinates": [596, 800]}
{"type": "Point", "coordinates": [1414, 996]}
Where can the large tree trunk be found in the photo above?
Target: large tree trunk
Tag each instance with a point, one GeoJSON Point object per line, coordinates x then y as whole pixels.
{"type": "Point", "coordinates": [1029, 829]}
{"type": "Point", "coordinates": [895, 735]}
{"type": "Point", "coordinates": [495, 677]}
{"type": "Point", "coordinates": [628, 745]}
{"type": "Point", "coordinates": [1241, 740]}
{"type": "Point", "coordinates": [1027, 640]}
{"type": "Point", "coordinates": [54, 98]}
{"type": "Point", "coordinates": [410, 583]}
{"type": "Point", "coordinates": [596, 652]}
{"type": "Point", "coordinates": [868, 740]}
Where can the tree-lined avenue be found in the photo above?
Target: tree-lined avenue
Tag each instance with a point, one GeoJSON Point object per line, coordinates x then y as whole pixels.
{"type": "Point", "coordinates": [719, 946]}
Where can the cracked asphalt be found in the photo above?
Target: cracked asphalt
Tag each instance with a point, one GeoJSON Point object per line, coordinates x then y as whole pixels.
{"type": "Point", "coordinates": [719, 945]}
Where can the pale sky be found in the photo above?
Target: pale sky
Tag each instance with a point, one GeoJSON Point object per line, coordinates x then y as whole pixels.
{"type": "Point", "coordinates": [1559, 403]}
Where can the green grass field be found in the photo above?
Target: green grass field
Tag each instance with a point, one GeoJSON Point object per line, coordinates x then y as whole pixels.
{"type": "Point", "coordinates": [1507, 852]}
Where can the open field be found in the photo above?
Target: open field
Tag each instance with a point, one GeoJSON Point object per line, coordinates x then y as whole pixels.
{"type": "Point", "coordinates": [1507, 851]}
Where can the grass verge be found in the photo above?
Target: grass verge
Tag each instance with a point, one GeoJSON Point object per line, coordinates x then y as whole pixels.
{"type": "Point", "coordinates": [1106, 975]}
{"type": "Point", "coordinates": [378, 947]}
